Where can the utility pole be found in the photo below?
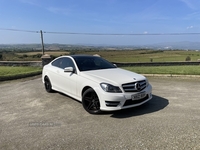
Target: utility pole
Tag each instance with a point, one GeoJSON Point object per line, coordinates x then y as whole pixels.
{"type": "Point", "coordinates": [42, 42]}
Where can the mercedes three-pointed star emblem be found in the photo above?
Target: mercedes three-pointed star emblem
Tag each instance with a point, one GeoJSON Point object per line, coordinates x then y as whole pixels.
{"type": "Point", "coordinates": [137, 86]}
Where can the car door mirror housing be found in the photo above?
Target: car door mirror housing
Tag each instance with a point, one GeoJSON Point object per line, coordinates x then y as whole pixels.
{"type": "Point", "coordinates": [115, 65]}
{"type": "Point", "coordinates": [69, 69]}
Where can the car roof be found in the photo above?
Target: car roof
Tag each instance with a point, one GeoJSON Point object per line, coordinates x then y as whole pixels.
{"type": "Point", "coordinates": [82, 56]}
{"type": "Point", "coordinates": [76, 56]}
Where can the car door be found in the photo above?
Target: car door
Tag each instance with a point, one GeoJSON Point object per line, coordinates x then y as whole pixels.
{"type": "Point", "coordinates": [55, 74]}
{"type": "Point", "coordinates": [67, 80]}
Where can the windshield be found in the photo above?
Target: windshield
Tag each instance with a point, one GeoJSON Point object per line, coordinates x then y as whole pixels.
{"type": "Point", "coordinates": [87, 63]}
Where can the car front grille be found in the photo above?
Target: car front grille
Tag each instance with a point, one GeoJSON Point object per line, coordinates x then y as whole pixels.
{"type": "Point", "coordinates": [134, 86]}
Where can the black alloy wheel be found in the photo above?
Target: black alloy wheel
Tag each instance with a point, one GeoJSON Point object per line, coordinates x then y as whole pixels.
{"type": "Point", "coordinates": [91, 102]}
{"type": "Point", "coordinates": [47, 85]}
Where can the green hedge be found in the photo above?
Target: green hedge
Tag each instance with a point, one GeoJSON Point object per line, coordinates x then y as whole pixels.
{"type": "Point", "coordinates": [17, 72]}
{"type": "Point", "coordinates": [19, 76]}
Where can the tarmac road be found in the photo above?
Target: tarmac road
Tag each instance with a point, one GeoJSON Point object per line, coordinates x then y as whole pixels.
{"type": "Point", "coordinates": [31, 118]}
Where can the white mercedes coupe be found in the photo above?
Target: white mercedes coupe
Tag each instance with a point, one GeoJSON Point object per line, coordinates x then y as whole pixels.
{"type": "Point", "coordinates": [97, 83]}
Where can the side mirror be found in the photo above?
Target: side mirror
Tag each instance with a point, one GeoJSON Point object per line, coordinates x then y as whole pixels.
{"type": "Point", "coordinates": [69, 69]}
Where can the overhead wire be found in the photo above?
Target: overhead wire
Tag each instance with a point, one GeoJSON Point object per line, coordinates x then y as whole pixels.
{"type": "Point", "coordinates": [105, 34]}
{"type": "Point", "coordinates": [19, 30]}
{"type": "Point", "coordinates": [115, 34]}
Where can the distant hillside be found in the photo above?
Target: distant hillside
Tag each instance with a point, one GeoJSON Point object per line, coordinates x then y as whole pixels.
{"type": "Point", "coordinates": [39, 47]}
{"type": "Point", "coordinates": [185, 45]}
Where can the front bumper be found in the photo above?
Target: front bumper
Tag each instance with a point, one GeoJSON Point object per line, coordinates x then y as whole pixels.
{"type": "Point", "coordinates": [118, 101]}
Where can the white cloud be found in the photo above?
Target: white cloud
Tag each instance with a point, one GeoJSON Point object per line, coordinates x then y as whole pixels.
{"type": "Point", "coordinates": [57, 10]}
{"type": "Point", "coordinates": [194, 15]}
{"type": "Point", "coordinates": [145, 32]}
{"type": "Point", "coordinates": [190, 27]}
{"type": "Point", "coordinates": [189, 3]}
{"type": "Point", "coordinates": [13, 27]}
{"type": "Point", "coordinates": [30, 2]}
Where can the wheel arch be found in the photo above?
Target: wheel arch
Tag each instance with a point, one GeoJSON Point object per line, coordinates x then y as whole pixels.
{"type": "Point", "coordinates": [84, 89]}
{"type": "Point", "coordinates": [45, 75]}
{"type": "Point", "coordinates": [90, 101]}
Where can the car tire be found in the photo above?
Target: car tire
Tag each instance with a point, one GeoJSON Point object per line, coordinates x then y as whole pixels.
{"type": "Point", "coordinates": [90, 101]}
{"type": "Point", "coordinates": [47, 84]}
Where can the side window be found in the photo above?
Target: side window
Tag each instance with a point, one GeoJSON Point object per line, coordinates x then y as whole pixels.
{"type": "Point", "coordinates": [56, 63]}
{"type": "Point", "coordinates": [66, 62]}
{"type": "Point", "coordinates": [63, 63]}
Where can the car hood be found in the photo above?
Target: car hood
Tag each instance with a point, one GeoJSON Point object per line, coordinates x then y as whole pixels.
{"type": "Point", "coordinates": [114, 76]}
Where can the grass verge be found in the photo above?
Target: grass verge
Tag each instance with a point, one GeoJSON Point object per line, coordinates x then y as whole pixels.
{"type": "Point", "coordinates": [10, 73]}
{"type": "Point", "coordinates": [177, 70]}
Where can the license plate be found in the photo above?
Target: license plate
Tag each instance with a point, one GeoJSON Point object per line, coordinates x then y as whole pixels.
{"type": "Point", "coordinates": [138, 96]}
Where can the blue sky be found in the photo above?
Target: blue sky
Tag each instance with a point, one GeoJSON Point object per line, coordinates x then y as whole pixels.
{"type": "Point", "coordinates": [99, 16]}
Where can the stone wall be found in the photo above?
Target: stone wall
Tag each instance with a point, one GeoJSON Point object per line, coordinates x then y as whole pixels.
{"type": "Point", "coordinates": [39, 63]}
{"type": "Point", "coordinates": [157, 64]}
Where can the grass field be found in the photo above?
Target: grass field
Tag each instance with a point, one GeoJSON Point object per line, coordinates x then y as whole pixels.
{"type": "Point", "coordinates": [55, 53]}
{"type": "Point", "coordinates": [145, 55]}
{"type": "Point", "coordinates": [12, 71]}
{"type": "Point", "coordinates": [114, 55]}
{"type": "Point", "coordinates": [177, 70]}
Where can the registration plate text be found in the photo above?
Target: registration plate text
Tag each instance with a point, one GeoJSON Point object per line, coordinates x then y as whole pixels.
{"type": "Point", "coordinates": [138, 96]}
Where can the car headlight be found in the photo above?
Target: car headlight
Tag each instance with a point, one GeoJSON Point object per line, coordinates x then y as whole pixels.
{"type": "Point", "coordinates": [110, 88]}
